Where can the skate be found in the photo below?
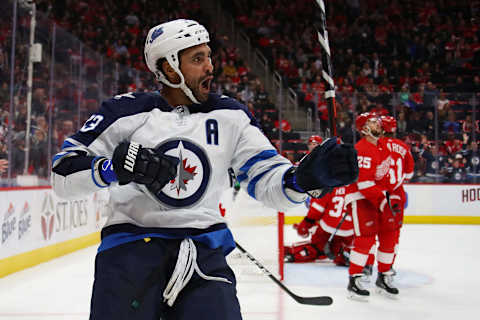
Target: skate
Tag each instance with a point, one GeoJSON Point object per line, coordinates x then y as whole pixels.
{"type": "Point", "coordinates": [288, 258]}
{"type": "Point", "coordinates": [367, 273]}
{"type": "Point", "coordinates": [356, 290]}
{"type": "Point", "coordinates": [385, 286]}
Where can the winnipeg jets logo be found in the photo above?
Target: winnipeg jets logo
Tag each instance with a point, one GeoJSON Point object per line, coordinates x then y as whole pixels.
{"type": "Point", "coordinates": [185, 174]}
{"type": "Point", "coordinates": [193, 174]}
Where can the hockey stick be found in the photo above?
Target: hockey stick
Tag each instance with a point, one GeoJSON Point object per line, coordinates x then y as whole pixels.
{"type": "Point", "coordinates": [394, 210]}
{"type": "Point", "coordinates": [327, 72]}
{"type": "Point", "coordinates": [326, 248]}
{"type": "Point", "coordinates": [316, 301]}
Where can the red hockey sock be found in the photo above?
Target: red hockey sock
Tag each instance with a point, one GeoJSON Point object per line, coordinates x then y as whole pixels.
{"type": "Point", "coordinates": [386, 250]}
{"type": "Point", "coordinates": [359, 253]}
{"type": "Point", "coordinates": [371, 256]}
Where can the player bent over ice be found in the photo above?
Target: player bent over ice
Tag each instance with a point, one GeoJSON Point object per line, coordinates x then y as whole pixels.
{"type": "Point", "coordinates": [164, 158]}
{"type": "Point", "coordinates": [324, 215]}
{"type": "Point", "coordinates": [368, 203]}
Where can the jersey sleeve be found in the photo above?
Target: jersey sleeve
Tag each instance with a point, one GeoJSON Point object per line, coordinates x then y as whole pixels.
{"type": "Point", "coordinates": [318, 207]}
{"type": "Point", "coordinates": [74, 171]}
{"type": "Point", "coordinates": [366, 182]}
{"type": "Point", "coordinates": [409, 165]}
{"type": "Point", "coordinates": [259, 168]}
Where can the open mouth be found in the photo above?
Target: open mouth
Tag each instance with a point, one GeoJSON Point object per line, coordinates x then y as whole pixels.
{"type": "Point", "coordinates": [205, 84]}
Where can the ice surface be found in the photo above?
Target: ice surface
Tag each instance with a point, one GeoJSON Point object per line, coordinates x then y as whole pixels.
{"type": "Point", "coordinates": [438, 275]}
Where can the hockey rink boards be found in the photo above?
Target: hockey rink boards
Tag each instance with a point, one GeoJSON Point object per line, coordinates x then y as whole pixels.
{"type": "Point", "coordinates": [437, 276]}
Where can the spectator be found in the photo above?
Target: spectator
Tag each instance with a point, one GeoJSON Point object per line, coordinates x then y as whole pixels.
{"type": "Point", "coordinates": [3, 165]}
{"type": "Point", "coordinates": [230, 70]}
{"type": "Point", "coordinates": [429, 127]}
{"type": "Point", "coordinates": [416, 124]}
{"type": "Point", "coordinates": [472, 156]}
{"type": "Point", "coordinates": [66, 130]}
{"type": "Point", "coordinates": [452, 145]}
{"type": "Point", "coordinates": [443, 104]}
{"type": "Point", "coordinates": [436, 165]}
{"type": "Point", "coordinates": [38, 148]}
{"type": "Point", "coordinates": [456, 172]}
{"type": "Point", "coordinates": [405, 97]}
{"type": "Point", "coordinates": [18, 153]}
{"type": "Point", "coordinates": [402, 124]}
{"type": "Point", "coordinates": [430, 95]}
{"type": "Point", "coordinates": [451, 124]}
{"type": "Point", "coordinates": [468, 125]}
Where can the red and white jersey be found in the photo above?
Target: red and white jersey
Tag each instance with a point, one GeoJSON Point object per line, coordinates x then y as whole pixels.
{"type": "Point", "coordinates": [330, 210]}
{"type": "Point", "coordinates": [401, 163]}
{"type": "Point", "coordinates": [374, 165]}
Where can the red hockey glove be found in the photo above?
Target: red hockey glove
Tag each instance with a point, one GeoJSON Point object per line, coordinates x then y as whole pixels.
{"type": "Point", "coordinates": [304, 226]}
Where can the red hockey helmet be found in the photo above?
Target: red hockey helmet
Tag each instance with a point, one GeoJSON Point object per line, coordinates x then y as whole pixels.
{"type": "Point", "coordinates": [316, 139]}
{"type": "Point", "coordinates": [389, 124]}
{"type": "Point", "coordinates": [362, 120]}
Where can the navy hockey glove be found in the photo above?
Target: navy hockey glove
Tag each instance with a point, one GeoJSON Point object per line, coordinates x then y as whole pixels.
{"type": "Point", "coordinates": [133, 163]}
{"type": "Point", "coordinates": [329, 165]}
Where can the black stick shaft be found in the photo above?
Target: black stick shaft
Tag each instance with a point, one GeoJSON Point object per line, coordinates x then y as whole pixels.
{"type": "Point", "coordinates": [319, 301]}
{"type": "Point", "coordinates": [327, 73]}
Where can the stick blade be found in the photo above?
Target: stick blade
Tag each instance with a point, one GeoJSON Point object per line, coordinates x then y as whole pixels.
{"type": "Point", "coordinates": [315, 301]}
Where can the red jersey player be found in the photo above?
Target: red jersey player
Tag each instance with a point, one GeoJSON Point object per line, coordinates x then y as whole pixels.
{"type": "Point", "coordinates": [325, 214]}
{"type": "Point", "coordinates": [401, 169]}
{"type": "Point", "coordinates": [371, 213]}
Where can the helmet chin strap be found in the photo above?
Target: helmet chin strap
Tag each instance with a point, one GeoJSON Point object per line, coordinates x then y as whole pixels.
{"type": "Point", "coordinates": [368, 132]}
{"type": "Point", "coordinates": [182, 85]}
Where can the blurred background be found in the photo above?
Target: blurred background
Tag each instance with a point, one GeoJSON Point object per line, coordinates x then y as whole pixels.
{"type": "Point", "coordinates": [417, 61]}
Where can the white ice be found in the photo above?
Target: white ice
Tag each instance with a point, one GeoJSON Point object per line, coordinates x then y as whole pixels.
{"type": "Point", "coordinates": [438, 275]}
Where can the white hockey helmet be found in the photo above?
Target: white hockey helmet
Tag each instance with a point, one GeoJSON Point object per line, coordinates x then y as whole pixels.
{"type": "Point", "coordinates": [166, 40]}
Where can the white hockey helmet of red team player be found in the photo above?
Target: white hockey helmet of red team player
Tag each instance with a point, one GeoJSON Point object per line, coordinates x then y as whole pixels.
{"type": "Point", "coordinates": [389, 124]}
{"type": "Point", "coordinates": [315, 138]}
{"type": "Point", "coordinates": [166, 40]}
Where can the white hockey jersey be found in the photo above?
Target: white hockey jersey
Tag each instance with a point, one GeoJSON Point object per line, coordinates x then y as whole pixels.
{"type": "Point", "coordinates": [208, 139]}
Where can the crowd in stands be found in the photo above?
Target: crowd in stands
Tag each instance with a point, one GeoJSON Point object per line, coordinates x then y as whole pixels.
{"type": "Point", "coordinates": [395, 57]}
{"type": "Point", "coordinates": [400, 57]}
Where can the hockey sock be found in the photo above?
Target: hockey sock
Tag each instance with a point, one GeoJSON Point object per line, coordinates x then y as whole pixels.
{"type": "Point", "coordinates": [386, 250]}
{"type": "Point", "coordinates": [359, 253]}
{"type": "Point", "coordinates": [371, 256]}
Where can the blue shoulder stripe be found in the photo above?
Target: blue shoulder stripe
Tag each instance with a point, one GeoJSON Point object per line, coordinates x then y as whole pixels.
{"type": "Point", "coordinates": [67, 144]}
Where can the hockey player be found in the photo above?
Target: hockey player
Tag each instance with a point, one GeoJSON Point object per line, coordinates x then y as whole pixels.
{"type": "Point", "coordinates": [164, 157]}
{"type": "Point", "coordinates": [401, 170]}
{"type": "Point", "coordinates": [367, 202]}
{"type": "Point", "coordinates": [325, 214]}
{"type": "Point", "coordinates": [314, 141]}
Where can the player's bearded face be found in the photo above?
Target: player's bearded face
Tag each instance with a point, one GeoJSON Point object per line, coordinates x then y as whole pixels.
{"type": "Point", "coordinates": [375, 127]}
{"type": "Point", "coordinates": [197, 68]}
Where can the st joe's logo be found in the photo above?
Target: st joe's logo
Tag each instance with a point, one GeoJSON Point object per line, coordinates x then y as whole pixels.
{"type": "Point", "coordinates": [193, 174]}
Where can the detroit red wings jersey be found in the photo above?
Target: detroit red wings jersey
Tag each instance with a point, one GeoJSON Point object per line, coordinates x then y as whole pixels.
{"type": "Point", "coordinates": [401, 162]}
{"type": "Point", "coordinates": [374, 165]}
{"type": "Point", "coordinates": [329, 210]}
